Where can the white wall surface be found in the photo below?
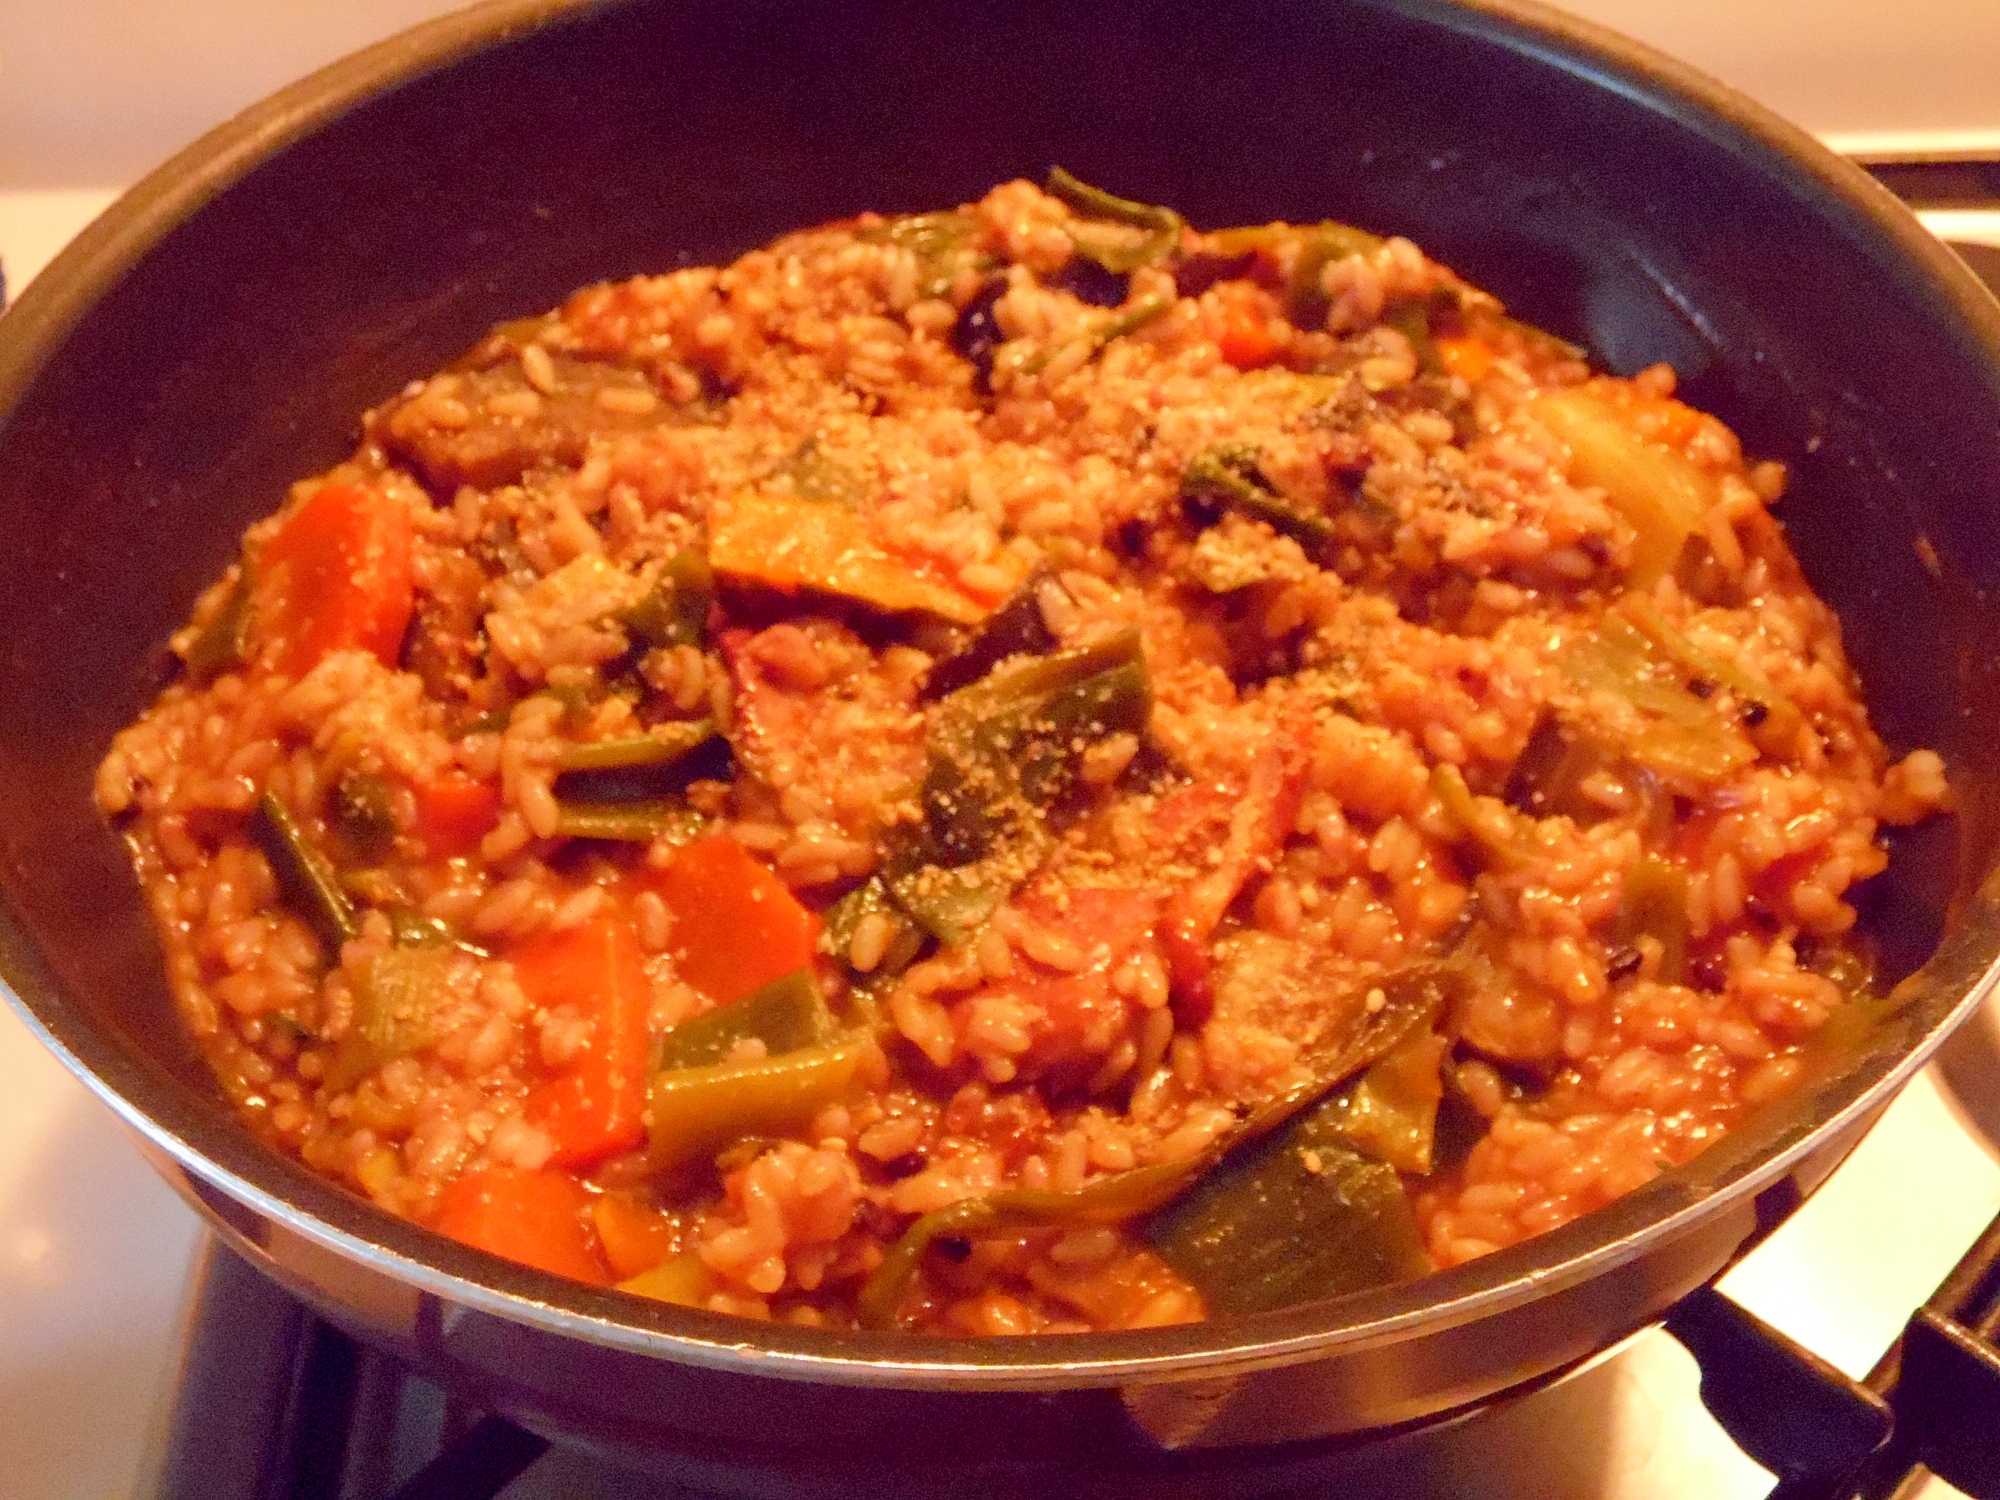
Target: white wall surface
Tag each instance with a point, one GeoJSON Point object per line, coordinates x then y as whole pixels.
{"type": "Point", "coordinates": [95, 92]}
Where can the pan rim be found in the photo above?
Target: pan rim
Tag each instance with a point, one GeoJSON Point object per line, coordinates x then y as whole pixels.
{"type": "Point", "coordinates": [215, 1150]}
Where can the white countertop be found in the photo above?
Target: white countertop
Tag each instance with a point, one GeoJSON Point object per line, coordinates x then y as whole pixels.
{"type": "Point", "coordinates": [95, 1252]}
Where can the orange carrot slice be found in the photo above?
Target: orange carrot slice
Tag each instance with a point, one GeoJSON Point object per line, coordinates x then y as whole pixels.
{"type": "Point", "coordinates": [595, 1105]}
{"type": "Point", "coordinates": [454, 813]}
{"type": "Point", "coordinates": [736, 926]}
{"type": "Point", "coordinates": [1246, 340]}
{"type": "Point", "coordinates": [336, 577]}
{"type": "Point", "coordinates": [536, 1218]}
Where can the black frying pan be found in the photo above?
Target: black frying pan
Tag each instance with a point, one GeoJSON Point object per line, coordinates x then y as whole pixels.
{"type": "Point", "coordinates": [217, 333]}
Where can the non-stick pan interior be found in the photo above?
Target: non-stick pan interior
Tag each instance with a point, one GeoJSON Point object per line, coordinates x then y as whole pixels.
{"type": "Point", "coordinates": [219, 335]}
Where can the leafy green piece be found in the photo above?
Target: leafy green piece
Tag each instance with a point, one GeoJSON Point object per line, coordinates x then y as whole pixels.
{"type": "Point", "coordinates": [1126, 320]}
{"type": "Point", "coordinates": [627, 788]}
{"type": "Point", "coordinates": [1495, 829]}
{"type": "Point", "coordinates": [1116, 1199]}
{"type": "Point", "coordinates": [1191, 1200]}
{"type": "Point", "coordinates": [1303, 251]}
{"type": "Point", "coordinates": [414, 929]}
{"type": "Point", "coordinates": [811, 475]}
{"type": "Point", "coordinates": [1686, 743]}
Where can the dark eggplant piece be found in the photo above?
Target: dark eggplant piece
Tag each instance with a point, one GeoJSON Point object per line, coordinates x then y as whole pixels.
{"type": "Point", "coordinates": [360, 812]}
{"type": "Point", "coordinates": [976, 334]}
{"type": "Point", "coordinates": [1016, 628]}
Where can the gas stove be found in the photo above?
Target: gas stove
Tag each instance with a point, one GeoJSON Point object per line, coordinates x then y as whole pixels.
{"type": "Point", "coordinates": [139, 1357]}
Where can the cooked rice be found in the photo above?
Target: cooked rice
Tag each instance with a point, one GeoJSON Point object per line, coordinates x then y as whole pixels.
{"type": "Point", "coordinates": [549, 480]}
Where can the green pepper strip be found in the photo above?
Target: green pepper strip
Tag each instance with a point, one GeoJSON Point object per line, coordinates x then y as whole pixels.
{"type": "Point", "coordinates": [935, 239]}
{"type": "Point", "coordinates": [665, 745]}
{"type": "Point", "coordinates": [872, 897]}
{"type": "Point", "coordinates": [1318, 245]}
{"type": "Point", "coordinates": [1655, 904]}
{"type": "Point", "coordinates": [1301, 1217]}
{"type": "Point", "coordinates": [676, 612]}
{"type": "Point", "coordinates": [414, 929]}
{"type": "Point", "coordinates": [785, 1015]}
{"type": "Point", "coordinates": [628, 822]}
{"type": "Point", "coordinates": [1228, 479]}
{"type": "Point", "coordinates": [1093, 202]}
{"type": "Point", "coordinates": [304, 874]}
{"type": "Point", "coordinates": [224, 639]}
{"type": "Point", "coordinates": [1411, 997]}
{"type": "Point", "coordinates": [1128, 320]}
{"type": "Point", "coordinates": [698, 1110]}
{"type": "Point", "coordinates": [1694, 748]}
{"type": "Point", "coordinates": [1004, 751]}
{"type": "Point", "coordinates": [1496, 829]}
{"type": "Point", "coordinates": [1109, 1200]}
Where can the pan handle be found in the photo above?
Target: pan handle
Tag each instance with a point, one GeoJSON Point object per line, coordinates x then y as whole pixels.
{"type": "Point", "coordinates": [1930, 1402]}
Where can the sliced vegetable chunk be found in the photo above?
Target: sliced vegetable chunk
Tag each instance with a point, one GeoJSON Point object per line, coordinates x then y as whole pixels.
{"type": "Point", "coordinates": [596, 1104]}
{"type": "Point", "coordinates": [454, 813]}
{"type": "Point", "coordinates": [1656, 488]}
{"type": "Point", "coordinates": [395, 1012]}
{"type": "Point", "coordinates": [787, 543]}
{"type": "Point", "coordinates": [784, 1015]}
